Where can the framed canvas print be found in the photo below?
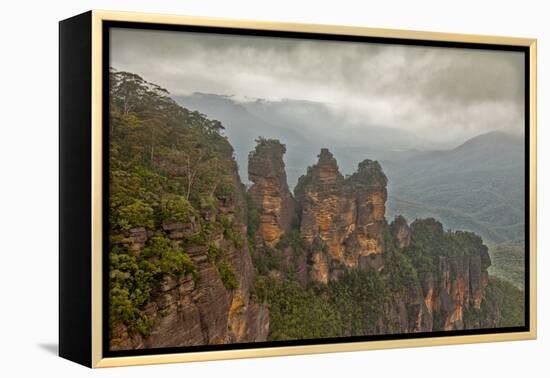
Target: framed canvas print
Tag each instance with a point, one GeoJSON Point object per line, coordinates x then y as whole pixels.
{"type": "Point", "coordinates": [236, 189]}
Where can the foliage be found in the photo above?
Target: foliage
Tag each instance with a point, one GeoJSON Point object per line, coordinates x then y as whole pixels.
{"type": "Point", "coordinates": [288, 256]}
{"type": "Point", "coordinates": [176, 208]}
{"type": "Point", "coordinates": [263, 143]}
{"type": "Point", "coordinates": [508, 262]}
{"type": "Point", "coordinates": [136, 214]}
{"type": "Point", "coordinates": [260, 289]}
{"type": "Point", "coordinates": [180, 151]}
{"type": "Point", "coordinates": [267, 259]}
{"type": "Point", "coordinates": [123, 310]}
{"type": "Point", "coordinates": [505, 301]}
{"type": "Point", "coordinates": [228, 275]}
{"type": "Point", "coordinates": [359, 296]}
{"type": "Point", "coordinates": [131, 282]}
{"type": "Point", "coordinates": [133, 278]}
{"type": "Point", "coordinates": [429, 241]}
{"type": "Point", "coordinates": [215, 253]}
{"type": "Point", "coordinates": [350, 306]}
{"type": "Point", "coordinates": [170, 257]}
{"type": "Point", "coordinates": [399, 271]}
{"type": "Point", "coordinates": [167, 164]}
{"type": "Point", "coordinates": [299, 313]}
{"type": "Point", "coordinates": [230, 232]}
{"type": "Point", "coordinates": [294, 240]}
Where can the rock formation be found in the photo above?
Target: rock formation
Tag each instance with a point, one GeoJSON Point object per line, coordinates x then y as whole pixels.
{"type": "Point", "coordinates": [448, 291]}
{"type": "Point", "coordinates": [270, 193]}
{"type": "Point", "coordinates": [401, 232]}
{"type": "Point", "coordinates": [342, 219]}
{"type": "Point", "coordinates": [343, 224]}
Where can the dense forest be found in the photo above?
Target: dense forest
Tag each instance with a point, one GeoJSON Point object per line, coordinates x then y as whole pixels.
{"type": "Point", "coordinates": [196, 257]}
{"type": "Point", "coordinates": [509, 262]}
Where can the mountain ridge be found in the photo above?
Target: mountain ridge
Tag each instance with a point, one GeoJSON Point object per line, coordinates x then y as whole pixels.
{"type": "Point", "coordinates": [478, 177]}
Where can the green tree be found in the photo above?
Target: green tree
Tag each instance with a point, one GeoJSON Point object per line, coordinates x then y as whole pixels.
{"type": "Point", "coordinates": [135, 214]}
{"type": "Point", "coordinates": [176, 208]}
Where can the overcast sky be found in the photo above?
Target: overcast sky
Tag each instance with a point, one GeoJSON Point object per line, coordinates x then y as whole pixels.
{"type": "Point", "coordinates": [443, 95]}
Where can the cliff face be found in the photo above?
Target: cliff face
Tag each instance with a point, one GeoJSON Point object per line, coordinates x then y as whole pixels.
{"type": "Point", "coordinates": [201, 309]}
{"type": "Point", "coordinates": [342, 219]}
{"type": "Point", "coordinates": [449, 289]}
{"type": "Point", "coordinates": [401, 232]}
{"type": "Point", "coordinates": [270, 193]}
{"type": "Point", "coordinates": [343, 227]}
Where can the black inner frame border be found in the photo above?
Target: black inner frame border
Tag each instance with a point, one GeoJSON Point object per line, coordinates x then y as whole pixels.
{"type": "Point", "coordinates": [107, 25]}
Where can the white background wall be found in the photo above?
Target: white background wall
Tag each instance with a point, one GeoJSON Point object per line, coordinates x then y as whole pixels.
{"type": "Point", "coordinates": [28, 210]}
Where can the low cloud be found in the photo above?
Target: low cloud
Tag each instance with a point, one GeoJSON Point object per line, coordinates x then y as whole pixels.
{"type": "Point", "coordinates": [442, 95]}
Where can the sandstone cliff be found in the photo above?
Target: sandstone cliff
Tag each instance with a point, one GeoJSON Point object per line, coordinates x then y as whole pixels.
{"type": "Point", "coordinates": [435, 279]}
{"type": "Point", "coordinates": [401, 232]}
{"type": "Point", "coordinates": [342, 219]}
{"type": "Point", "coordinates": [270, 193]}
{"type": "Point", "coordinates": [202, 308]}
{"type": "Point", "coordinates": [452, 278]}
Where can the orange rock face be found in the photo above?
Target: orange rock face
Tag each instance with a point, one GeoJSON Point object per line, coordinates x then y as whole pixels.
{"type": "Point", "coordinates": [401, 232]}
{"type": "Point", "coordinates": [456, 286]}
{"type": "Point", "coordinates": [270, 193]}
{"type": "Point", "coordinates": [428, 300]}
{"type": "Point", "coordinates": [346, 214]}
{"type": "Point", "coordinates": [319, 271]}
{"type": "Point", "coordinates": [325, 209]}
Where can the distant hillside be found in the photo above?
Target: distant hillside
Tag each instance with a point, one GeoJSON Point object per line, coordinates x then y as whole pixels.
{"type": "Point", "coordinates": [508, 262]}
{"type": "Point", "coordinates": [305, 127]}
{"type": "Point", "coordinates": [478, 186]}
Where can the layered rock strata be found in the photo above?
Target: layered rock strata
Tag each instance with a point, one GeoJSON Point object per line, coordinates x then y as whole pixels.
{"type": "Point", "coordinates": [342, 219]}
{"type": "Point", "coordinates": [275, 204]}
{"type": "Point", "coordinates": [190, 311]}
{"type": "Point", "coordinates": [445, 294]}
{"type": "Point", "coordinates": [342, 224]}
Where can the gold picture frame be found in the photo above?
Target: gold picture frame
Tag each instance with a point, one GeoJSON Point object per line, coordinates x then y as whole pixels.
{"type": "Point", "coordinates": [86, 32]}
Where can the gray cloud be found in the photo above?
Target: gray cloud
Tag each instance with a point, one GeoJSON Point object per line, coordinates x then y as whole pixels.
{"type": "Point", "coordinates": [443, 95]}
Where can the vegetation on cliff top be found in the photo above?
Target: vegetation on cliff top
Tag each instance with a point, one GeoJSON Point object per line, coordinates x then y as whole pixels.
{"type": "Point", "coordinates": [429, 241]}
{"type": "Point", "coordinates": [271, 144]}
{"type": "Point", "coordinates": [167, 165]}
